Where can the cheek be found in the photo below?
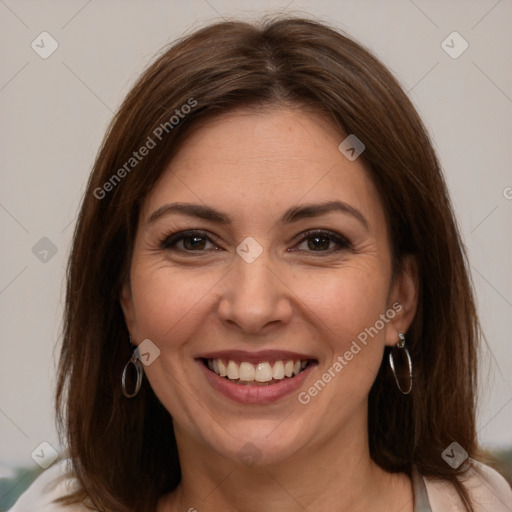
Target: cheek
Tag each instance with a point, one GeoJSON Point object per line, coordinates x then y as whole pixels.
{"type": "Point", "coordinates": [348, 315]}
{"type": "Point", "coordinates": [346, 305]}
{"type": "Point", "coordinates": [168, 302]}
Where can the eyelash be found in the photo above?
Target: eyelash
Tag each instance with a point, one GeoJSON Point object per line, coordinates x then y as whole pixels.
{"type": "Point", "coordinates": [342, 242]}
{"type": "Point", "coordinates": [169, 242]}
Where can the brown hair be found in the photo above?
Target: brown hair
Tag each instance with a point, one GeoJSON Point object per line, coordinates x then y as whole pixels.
{"type": "Point", "coordinates": [118, 446]}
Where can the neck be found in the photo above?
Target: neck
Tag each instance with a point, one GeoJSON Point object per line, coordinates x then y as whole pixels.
{"type": "Point", "coordinates": [333, 475]}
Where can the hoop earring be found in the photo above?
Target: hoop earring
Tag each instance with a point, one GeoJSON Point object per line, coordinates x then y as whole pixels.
{"type": "Point", "coordinates": [401, 345]}
{"type": "Point", "coordinates": [140, 373]}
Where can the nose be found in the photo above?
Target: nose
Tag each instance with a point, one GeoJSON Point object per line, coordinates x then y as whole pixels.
{"type": "Point", "coordinates": [254, 298]}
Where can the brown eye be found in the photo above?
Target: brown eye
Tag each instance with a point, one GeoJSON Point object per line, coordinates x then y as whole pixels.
{"type": "Point", "coordinates": [194, 243]}
{"type": "Point", "coordinates": [319, 243]}
{"type": "Point", "coordinates": [188, 241]}
{"type": "Point", "coordinates": [322, 242]}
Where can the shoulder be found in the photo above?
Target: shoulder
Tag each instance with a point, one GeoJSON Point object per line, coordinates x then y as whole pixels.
{"type": "Point", "coordinates": [56, 482]}
{"type": "Point", "coordinates": [488, 490]}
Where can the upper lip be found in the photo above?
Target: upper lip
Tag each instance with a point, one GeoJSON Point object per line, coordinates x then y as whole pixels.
{"type": "Point", "coordinates": [257, 357]}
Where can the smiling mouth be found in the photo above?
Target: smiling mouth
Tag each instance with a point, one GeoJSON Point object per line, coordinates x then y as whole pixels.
{"type": "Point", "coordinates": [261, 374]}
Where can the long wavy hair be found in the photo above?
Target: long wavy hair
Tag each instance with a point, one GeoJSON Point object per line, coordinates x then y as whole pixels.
{"type": "Point", "coordinates": [119, 446]}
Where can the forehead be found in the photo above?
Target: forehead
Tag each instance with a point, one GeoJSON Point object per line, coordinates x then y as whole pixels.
{"type": "Point", "coordinates": [264, 162]}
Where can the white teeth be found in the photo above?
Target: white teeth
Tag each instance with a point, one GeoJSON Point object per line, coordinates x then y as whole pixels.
{"type": "Point", "coordinates": [278, 370]}
{"type": "Point", "coordinates": [223, 371]}
{"type": "Point", "coordinates": [262, 372]}
{"type": "Point", "coordinates": [288, 368]}
{"type": "Point", "coordinates": [233, 373]}
{"type": "Point", "coordinates": [247, 372]}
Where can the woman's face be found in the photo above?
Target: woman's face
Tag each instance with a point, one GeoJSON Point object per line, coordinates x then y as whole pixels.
{"type": "Point", "coordinates": [263, 253]}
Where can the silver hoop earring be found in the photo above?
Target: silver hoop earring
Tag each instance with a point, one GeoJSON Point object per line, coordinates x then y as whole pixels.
{"type": "Point", "coordinates": [401, 346]}
{"type": "Point", "coordinates": [140, 373]}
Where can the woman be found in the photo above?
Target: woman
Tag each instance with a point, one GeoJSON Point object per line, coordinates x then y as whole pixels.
{"type": "Point", "coordinates": [268, 305]}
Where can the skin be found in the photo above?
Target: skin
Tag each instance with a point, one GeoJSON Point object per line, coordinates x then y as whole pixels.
{"type": "Point", "coordinates": [295, 296]}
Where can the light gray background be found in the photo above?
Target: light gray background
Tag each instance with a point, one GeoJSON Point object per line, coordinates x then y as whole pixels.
{"type": "Point", "coordinates": [55, 111]}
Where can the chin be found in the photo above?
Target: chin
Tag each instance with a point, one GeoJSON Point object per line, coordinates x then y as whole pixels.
{"type": "Point", "coordinates": [258, 443]}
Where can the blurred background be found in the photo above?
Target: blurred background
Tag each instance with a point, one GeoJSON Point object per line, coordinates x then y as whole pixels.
{"type": "Point", "coordinates": [66, 66]}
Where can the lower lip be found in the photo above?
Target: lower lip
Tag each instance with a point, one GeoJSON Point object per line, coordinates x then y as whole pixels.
{"type": "Point", "coordinates": [259, 394]}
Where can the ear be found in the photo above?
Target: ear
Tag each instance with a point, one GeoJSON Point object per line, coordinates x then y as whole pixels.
{"type": "Point", "coordinates": [403, 299]}
{"type": "Point", "coordinates": [126, 301]}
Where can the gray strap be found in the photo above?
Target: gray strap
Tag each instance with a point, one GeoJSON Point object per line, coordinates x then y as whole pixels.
{"type": "Point", "coordinates": [421, 503]}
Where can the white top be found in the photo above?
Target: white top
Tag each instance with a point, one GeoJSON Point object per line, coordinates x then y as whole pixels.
{"type": "Point", "coordinates": [489, 492]}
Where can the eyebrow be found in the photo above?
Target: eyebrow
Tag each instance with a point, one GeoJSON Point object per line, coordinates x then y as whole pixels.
{"type": "Point", "coordinates": [297, 213]}
{"type": "Point", "coordinates": [293, 214]}
{"type": "Point", "coordinates": [192, 210]}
